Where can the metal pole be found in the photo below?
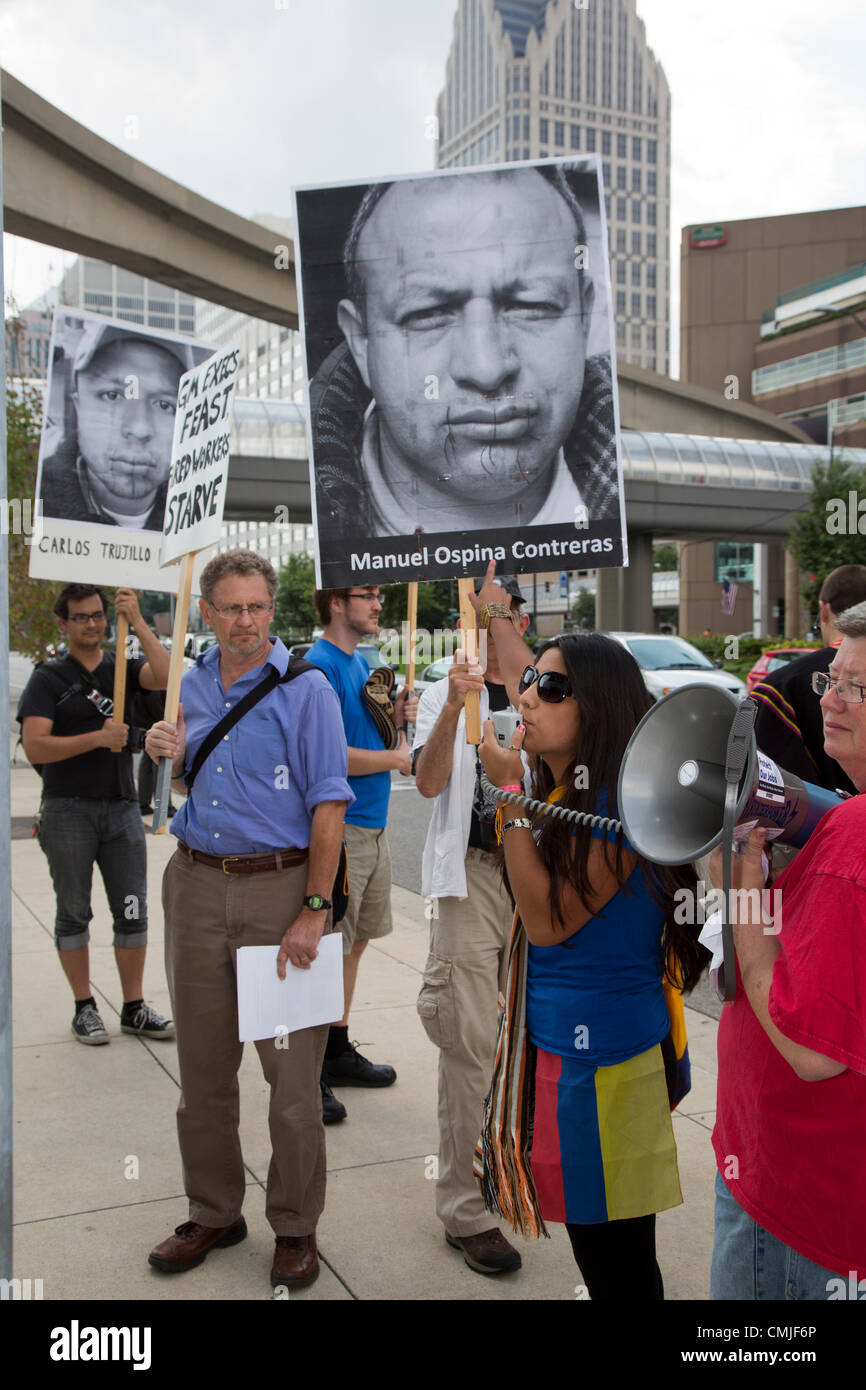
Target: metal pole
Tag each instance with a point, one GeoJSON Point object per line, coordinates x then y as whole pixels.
{"type": "Point", "coordinates": [5, 838]}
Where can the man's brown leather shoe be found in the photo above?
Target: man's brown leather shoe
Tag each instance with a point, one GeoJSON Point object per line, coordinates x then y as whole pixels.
{"type": "Point", "coordinates": [191, 1243]}
{"type": "Point", "coordinates": [487, 1253]}
{"type": "Point", "coordinates": [295, 1261]}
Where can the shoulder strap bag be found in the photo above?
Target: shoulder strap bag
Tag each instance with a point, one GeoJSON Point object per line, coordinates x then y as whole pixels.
{"type": "Point", "coordinates": [296, 667]}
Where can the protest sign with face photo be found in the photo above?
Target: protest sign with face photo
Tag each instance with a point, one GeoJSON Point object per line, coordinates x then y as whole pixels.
{"type": "Point", "coordinates": [105, 451]}
{"type": "Point", "coordinates": [459, 343]}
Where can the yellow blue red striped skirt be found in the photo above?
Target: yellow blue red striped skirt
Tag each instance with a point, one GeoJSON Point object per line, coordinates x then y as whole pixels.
{"type": "Point", "coordinates": [603, 1145]}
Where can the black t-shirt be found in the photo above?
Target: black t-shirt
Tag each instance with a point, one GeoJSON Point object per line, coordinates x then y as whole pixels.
{"type": "Point", "coordinates": [100, 773]}
{"type": "Point", "coordinates": [484, 837]}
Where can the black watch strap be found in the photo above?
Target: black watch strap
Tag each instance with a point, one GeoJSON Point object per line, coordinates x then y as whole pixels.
{"type": "Point", "coordinates": [317, 903]}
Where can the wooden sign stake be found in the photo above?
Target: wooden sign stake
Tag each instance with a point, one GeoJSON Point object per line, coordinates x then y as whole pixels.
{"type": "Point", "coordinates": [162, 794]}
{"type": "Point", "coordinates": [410, 659]}
{"type": "Point", "coordinates": [413, 623]}
{"type": "Point", "coordinates": [120, 671]}
{"type": "Point", "coordinates": [469, 635]}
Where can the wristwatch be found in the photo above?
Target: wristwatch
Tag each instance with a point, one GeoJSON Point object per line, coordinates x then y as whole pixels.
{"type": "Point", "coordinates": [494, 610]}
{"type": "Point", "coordinates": [317, 903]}
{"type": "Point", "coordinates": [519, 823]}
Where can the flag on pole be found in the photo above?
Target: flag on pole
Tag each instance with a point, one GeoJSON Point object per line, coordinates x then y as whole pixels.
{"type": "Point", "coordinates": [729, 597]}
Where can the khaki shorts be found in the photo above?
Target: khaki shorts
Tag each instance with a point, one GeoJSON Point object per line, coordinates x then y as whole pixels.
{"type": "Point", "coordinates": [368, 914]}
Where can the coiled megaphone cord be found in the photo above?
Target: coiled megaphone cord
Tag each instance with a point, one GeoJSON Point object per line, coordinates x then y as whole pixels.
{"type": "Point", "coordinates": [546, 808]}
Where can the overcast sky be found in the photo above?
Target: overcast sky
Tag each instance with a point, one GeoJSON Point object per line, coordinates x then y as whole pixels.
{"type": "Point", "coordinates": [241, 99]}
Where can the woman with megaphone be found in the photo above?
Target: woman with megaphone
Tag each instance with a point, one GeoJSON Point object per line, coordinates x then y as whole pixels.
{"type": "Point", "coordinates": [590, 1058]}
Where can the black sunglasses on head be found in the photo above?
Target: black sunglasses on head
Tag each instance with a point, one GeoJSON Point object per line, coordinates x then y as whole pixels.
{"type": "Point", "coordinates": [553, 686]}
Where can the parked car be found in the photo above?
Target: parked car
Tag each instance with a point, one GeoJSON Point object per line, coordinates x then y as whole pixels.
{"type": "Point", "coordinates": [372, 655]}
{"type": "Point", "coordinates": [772, 660]}
{"type": "Point", "coordinates": [198, 642]}
{"type": "Point", "coordinates": [669, 662]}
{"type": "Point", "coordinates": [437, 671]}
{"type": "Point", "coordinates": [186, 661]}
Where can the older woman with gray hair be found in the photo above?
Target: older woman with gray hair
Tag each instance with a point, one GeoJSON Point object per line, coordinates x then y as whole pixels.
{"type": "Point", "coordinates": [791, 1113]}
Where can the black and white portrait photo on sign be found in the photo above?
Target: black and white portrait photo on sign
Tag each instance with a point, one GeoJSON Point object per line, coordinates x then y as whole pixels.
{"type": "Point", "coordinates": [459, 344]}
{"type": "Point", "coordinates": [105, 452]}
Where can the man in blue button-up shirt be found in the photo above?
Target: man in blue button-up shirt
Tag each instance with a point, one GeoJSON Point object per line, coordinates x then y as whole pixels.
{"type": "Point", "coordinates": [259, 844]}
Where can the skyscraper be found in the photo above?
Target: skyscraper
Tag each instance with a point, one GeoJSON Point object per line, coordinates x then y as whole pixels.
{"type": "Point", "coordinates": [532, 79]}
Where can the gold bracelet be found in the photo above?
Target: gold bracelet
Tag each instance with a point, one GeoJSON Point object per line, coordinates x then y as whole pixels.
{"type": "Point", "coordinates": [494, 610]}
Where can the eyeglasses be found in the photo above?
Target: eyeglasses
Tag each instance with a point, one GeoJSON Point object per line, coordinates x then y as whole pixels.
{"type": "Point", "coordinates": [234, 610]}
{"type": "Point", "coordinates": [371, 598]}
{"type": "Point", "coordinates": [83, 618]}
{"type": "Point", "coordinates": [553, 687]}
{"type": "Point", "coordinates": [848, 691]}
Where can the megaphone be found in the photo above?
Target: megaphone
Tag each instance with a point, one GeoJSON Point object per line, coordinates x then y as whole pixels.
{"type": "Point", "coordinates": [671, 790]}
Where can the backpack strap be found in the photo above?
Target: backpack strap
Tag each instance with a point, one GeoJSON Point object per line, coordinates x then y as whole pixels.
{"type": "Point", "coordinates": [296, 667]}
{"type": "Point", "coordinates": [60, 669]}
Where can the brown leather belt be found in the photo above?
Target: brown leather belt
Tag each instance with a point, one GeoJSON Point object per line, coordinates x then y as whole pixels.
{"type": "Point", "coordinates": [247, 863]}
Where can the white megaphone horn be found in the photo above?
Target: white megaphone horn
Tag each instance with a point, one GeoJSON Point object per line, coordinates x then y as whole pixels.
{"type": "Point", "coordinates": [671, 791]}
{"type": "Point", "coordinates": [692, 772]}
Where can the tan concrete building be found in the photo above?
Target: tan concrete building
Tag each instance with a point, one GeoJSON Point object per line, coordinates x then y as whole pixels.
{"type": "Point", "coordinates": [738, 279]}
{"type": "Point", "coordinates": [730, 280]}
{"type": "Point", "coordinates": [810, 362]}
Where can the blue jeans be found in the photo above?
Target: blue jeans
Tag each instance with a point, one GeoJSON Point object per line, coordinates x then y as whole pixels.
{"type": "Point", "coordinates": [749, 1263]}
{"type": "Point", "coordinates": [77, 832]}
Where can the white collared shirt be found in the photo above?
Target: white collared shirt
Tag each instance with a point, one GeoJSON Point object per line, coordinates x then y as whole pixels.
{"type": "Point", "coordinates": [443, 862]}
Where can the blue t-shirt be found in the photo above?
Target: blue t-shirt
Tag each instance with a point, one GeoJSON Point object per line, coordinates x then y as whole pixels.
{"type": "Point", "coordinates": [598, 997]}
{"type": "Point", "coordinates": [348, 675]}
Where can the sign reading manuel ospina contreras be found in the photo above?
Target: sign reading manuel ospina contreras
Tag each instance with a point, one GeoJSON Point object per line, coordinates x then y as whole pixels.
{"type": "Point", "coordinates": [200, 456]}
{"type": "Point", "coordinates": [459, 344]}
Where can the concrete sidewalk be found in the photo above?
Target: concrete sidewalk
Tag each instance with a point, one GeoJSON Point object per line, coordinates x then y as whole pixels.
{"type": "Point", "coordinates": [97, 1170]}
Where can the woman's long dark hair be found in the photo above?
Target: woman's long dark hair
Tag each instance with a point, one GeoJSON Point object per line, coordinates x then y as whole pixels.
{"type": "Point", "coordinates": [612, 699]}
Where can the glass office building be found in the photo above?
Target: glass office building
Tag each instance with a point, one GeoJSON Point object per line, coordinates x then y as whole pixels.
{"type": "Point", "coordinates": [529, 79]}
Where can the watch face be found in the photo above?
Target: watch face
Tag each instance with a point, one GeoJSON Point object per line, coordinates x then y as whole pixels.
{"type": "Point", "coordinates": [316, 901]}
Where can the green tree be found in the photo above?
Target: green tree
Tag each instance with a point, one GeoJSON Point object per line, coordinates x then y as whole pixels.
{"type": "Point", "coordinates": [583, 610]}
{"type": "Point", "coordinates": [815, 542]}
{"type": "Point", "coordinates": [32, 624]}
{"type": "Point", "coordinates": [434, 603]}
{"type": "Point", "coordinates": [152, 602]}
{"type": "Point", "coordinates": [665, 558]}
{"type": "Point", "coordinates": [295, 613]}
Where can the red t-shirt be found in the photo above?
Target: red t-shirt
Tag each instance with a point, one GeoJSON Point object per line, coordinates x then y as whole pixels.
{"type": "Point", "coordinates": [801, 1145]}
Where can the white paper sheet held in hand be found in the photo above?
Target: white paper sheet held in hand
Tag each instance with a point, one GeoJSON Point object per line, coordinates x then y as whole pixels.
{"type": "Point", "coordinates": [269, 1007]}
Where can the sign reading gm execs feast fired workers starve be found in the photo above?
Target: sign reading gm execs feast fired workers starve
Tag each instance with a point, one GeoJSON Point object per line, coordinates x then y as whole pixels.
{"type": "Point", "coordinates": [459, 348]}
{"type": "Point", "coordinates": [200, 456]}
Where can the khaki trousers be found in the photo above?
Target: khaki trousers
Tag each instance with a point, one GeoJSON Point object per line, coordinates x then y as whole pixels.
{"type": "Point", "coordinates": [465, 972]}
{"type": "Point", "coordinates": [208, 915]}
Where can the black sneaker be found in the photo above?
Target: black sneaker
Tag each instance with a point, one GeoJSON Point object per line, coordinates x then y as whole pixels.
{"type": "Point", "coordinates": [87, 1027]}
{"type": "Point", "coordinates": [333, 1110]}
{"type": "Point", "coordinates": [351, 1069]}
{"type": "Point", "coordinates": [146, 1023]}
